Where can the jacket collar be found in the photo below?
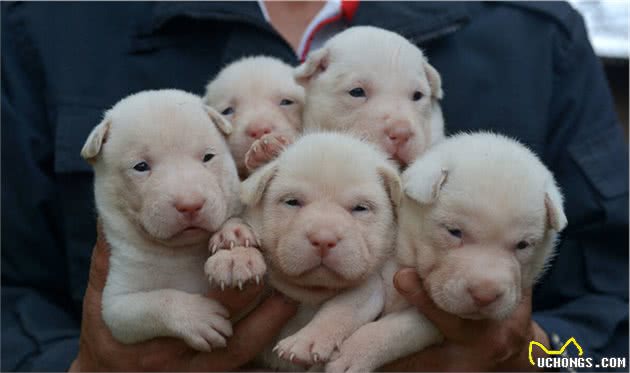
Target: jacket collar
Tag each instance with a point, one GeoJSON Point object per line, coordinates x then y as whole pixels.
{"type": "Point", "coordinates": [164, 11]}
{"type": "Point", "coordinates": [419, 21]}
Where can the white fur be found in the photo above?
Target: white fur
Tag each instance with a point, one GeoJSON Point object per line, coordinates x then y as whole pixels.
{"type": "Point", "coordinates": [158, 240]}
{"type": "Point", "coordinates": [497, 193]}
{"type": "Point", "coordinates": [327, 175]}
{"type": "Point", "coordinates": [389, 69]}
{"type": "Point", "coordinates": [254, 88]}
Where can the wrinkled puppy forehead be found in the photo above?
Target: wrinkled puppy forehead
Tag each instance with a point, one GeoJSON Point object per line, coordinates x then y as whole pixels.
{"type": "Point", "coordinates": [253, 76]}
{"type": "Point", "coordinates": [356, 46]}
{"type": "Point", "coordinates": [332, 160]}
{"type": "Point", "coordinates": [164, 118]}
{"type": "Point", "coordinates": [491, 179]}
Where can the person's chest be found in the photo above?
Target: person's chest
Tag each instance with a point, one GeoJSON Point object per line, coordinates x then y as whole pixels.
{"type": "Point", "coordinates": [108, 53]}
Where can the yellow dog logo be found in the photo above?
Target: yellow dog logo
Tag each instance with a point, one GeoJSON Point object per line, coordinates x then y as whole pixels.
{"type": "Point", "coordinates": [554, 352]}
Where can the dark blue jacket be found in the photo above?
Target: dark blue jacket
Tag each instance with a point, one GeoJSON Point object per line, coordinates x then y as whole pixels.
{"type": "Point", "coordinates": [526, 70]}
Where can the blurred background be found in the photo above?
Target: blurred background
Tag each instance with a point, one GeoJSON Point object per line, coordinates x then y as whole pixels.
{"type": "Point", "coordinates": [607, 24]}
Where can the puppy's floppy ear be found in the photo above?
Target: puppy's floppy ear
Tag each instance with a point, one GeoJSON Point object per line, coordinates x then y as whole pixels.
{"type": "Point", "coordinates": [393, 184]}
{"type": "Point", "coordinates": [423, 181]}
{"type": "Point", "coordinates": [95, 141]}
{"type": "Point", "coordinates": [553, 204]}
{"type": "Point", "coordinates": [435, 81]}
{"type": "Point", "coordinates": [315, 63]}
{"type": "Point", "coordinates": [223, 124]}
{"type": "Point", "coordinates": [253, 188]}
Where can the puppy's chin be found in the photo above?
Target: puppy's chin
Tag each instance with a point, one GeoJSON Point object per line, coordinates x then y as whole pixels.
{"type": "Point", "coordinates": [176, 235]}
{"type": "Point", "coordinates": [348, 263]}
{"type": "Point", "coordinates": [313, 288]}
{"type": "Point", "coordinates": [188, 237]}
{"type": "Point", "coordinates": [460, 304]}
{"type": "Point", "coordinates": [499, 312]}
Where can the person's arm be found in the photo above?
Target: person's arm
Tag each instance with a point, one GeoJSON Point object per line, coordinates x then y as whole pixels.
{"type": "Point", "coordinates": [585, 295]}
{"type": "Point", "coordinates": [39, 328]}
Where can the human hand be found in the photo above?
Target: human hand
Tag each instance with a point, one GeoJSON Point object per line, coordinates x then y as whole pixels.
{"type": "Point", "coordinates": [99, 351]}
{"type": "Point", "coordinates": [470, 345]}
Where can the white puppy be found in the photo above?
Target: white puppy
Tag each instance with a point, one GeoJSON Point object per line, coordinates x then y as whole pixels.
{"type": "Point", "coordinates": [479, 220]}
{"type": "Point", "coordinates": [378, 85]}
{"type": "Point", "coordinates": [164, 181]}
{"type": "Point", "coordinates": [325, 214]}
{"type": "Point", "coordinates": [264, 104]}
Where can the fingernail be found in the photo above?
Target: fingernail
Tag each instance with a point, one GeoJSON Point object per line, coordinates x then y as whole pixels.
{"type": "Point", "coordinates": [407, 281]}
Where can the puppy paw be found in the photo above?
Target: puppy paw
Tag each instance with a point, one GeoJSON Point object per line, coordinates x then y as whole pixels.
{"type": "Point", "coordinates": [232, 233]}
{"type": "Point", "coordinates": [307, 347]}
{"type": "Point", "coordinates": [345, 362]}
{"type": "Point", "coordinates": [236, 267]}
{"type": "Point", "coordinates": [201, 322]}
{"type": "Point", "coordinates": [264, 150]}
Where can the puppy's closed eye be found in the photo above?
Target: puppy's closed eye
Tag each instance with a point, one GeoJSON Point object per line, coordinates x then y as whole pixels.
{"type": "Point", "coordinates": [293, 202]}
{"type": "Point", "coordinates": [360, 208]}
{"type": "Point", "coordinates": [455, 232]}
{"type": "Point", "coordinates": [286, 102]}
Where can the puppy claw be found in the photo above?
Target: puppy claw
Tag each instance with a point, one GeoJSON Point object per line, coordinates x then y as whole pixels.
{"type": "Point", "coordinates": [240, 285]}
{"type": "Point", "coordinates": [257, 280]}
{"type": "Point", "coordinates": [213, 249]}
{"type": "Point", "coordinates": [231, 245]}
{"type": "Point", "coordinates": [316, 358]}
{"type": "Point", "coordinates": [275, 349]}
{"type": "Point", "coordinates": [291, 357]}
{"type": "Point", "coordinates": [246, 243]}
{"type": "Point", "coordinates": [222, 286]}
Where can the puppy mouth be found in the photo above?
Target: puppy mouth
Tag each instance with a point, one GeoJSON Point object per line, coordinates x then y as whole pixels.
{"type": "Point", "coordinates": [473, 315]}
{"type": "Point", "coordinates": [318, 289]}
{"type": "Point", "coordinates": [192, 229]}
{"type": "Point", "coordinates": [322, 269]}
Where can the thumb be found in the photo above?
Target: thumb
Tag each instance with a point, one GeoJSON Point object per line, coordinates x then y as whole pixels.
{"type": "Point", "coordinates": [410, 286]}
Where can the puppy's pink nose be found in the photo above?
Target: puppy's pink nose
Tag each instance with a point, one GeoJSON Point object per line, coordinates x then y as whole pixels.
{"type": "Point", "coordinates": [258, 130]}
{"type": "Point", "coordinates": [323, 241]}
{"type": "Point", "coordinates": [484, 294]}
{"type": "Point", "coordinates": [398, 133]}
{"type": "Point", "coordinates": [189, 206]}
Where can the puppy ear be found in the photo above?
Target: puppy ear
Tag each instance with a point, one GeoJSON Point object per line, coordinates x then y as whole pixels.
{"type": "Point", "coordinates": [423, 181]}
{"type": "Point", "coordinates": [435, 81]}
{"type": "Point", "coordinates": [553, 204]}
{"type": "Point", "coordinates": [393, 184]}
{"type": "Point", "coordinates": [223, 124]}
{"type": "Point", "coordinates": [253, 188]}
{"type": "Point", "coordinates": [95, 141]}
{"type": "Point", "coordinates": [315, 63]}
